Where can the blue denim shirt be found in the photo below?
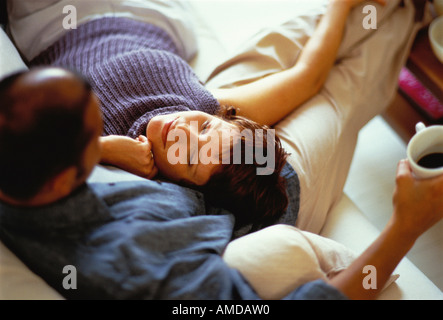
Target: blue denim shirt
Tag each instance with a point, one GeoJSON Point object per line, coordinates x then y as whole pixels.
{"type": "Point", "coordinates": [134, 240]}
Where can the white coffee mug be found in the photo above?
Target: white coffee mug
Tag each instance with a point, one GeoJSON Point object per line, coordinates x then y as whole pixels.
{"type": "Point", "coordinates": [426, 141]}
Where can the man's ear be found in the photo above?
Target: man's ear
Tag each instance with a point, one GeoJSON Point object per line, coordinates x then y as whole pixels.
{"type": "Point", "coordinates": [64, 182]}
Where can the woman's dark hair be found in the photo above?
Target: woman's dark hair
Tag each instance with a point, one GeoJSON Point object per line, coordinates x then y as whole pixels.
{"type": "Point", "coordinates": [252, 198]}
{"type": "Point", "coordinates": [41, 134]}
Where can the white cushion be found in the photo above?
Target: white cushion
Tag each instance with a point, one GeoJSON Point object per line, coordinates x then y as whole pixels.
{"type": "Point", "coordinates": [280, 258]}
{"type": "Point", "coordinates": [10, 60]}
{"type": "Point", "coordinates": [19, 283]}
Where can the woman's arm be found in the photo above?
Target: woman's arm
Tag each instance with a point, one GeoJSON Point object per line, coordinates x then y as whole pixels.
{"type": "Point", "coordinates": [270, 99]}
{"type": "Point", "coordinates": [418, 205]}
{"type": "Point", "coordinates": [132, 155]}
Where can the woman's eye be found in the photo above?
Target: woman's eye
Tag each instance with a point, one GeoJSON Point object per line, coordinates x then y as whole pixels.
{"type": "Point", "coordinates": [204, 127]}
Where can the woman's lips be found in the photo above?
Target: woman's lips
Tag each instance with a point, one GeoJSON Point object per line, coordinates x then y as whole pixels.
{"type": "Point", "coordinates": [166, 129]}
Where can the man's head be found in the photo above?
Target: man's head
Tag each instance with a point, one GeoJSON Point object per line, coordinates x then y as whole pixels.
{"type": "Point", "coordinates": [50, 122]}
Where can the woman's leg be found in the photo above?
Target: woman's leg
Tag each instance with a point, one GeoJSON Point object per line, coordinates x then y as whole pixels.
{"type": "Point", "coordinates": [277, 48]}
{"type": "Point", "coordinates": [321, 135]}
{"type": "Point", "coordinates": [270, 50]}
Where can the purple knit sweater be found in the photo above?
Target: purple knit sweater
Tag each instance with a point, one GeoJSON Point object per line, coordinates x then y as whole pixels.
{"type": "Point", "coordinates": [134, 68]}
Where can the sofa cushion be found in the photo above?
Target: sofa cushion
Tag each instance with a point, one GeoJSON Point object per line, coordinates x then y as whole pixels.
{"type": "Point", "coordinates": [19, 283]}
{"type": "Point", "coordinates": [13, 62]}
{"type": "Point", "coordinates": [280, 258]}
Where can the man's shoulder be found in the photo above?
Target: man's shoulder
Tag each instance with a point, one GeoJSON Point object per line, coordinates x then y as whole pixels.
{"type": "Point", "coordinates": [104, 180]}
{"type": "Point", "coordinates": [155, 197]}
{"type": "Point", "coordinates": [139, 187]}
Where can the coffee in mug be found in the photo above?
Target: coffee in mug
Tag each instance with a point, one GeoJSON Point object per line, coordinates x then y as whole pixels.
{"type": "Point", "coordinates": [431, 161]}
{"type": "Point", "coordinates": [425, 151]}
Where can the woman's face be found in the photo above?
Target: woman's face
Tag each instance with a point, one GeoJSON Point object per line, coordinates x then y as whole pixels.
{"type": "Point", "coordinates": [187, 145]}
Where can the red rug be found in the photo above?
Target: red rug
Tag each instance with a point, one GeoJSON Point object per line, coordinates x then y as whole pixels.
{"type": "Point", "coordinates": [420, 97]}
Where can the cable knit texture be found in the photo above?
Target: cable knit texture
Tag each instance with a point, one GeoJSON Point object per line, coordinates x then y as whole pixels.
{"type": "Point", "coordinates": [134, 68]}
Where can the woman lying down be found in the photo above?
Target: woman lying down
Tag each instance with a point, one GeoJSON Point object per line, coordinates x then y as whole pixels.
{"type": "Point", "coordinates": [161, 121]}
{"type": "Point", "coordinates": [236, 162]}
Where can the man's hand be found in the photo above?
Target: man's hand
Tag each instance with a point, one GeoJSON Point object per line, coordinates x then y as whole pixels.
{"type": "Point", "coordinates": [132, 155]}
{"type": "Point", "coordinates": [418, 204]}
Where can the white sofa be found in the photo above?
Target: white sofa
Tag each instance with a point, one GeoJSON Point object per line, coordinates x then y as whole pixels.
{"type": "Point", "coordinates": [345, 224]}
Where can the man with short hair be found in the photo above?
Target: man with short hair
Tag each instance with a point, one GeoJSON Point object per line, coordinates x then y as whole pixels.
{"type": "Point", "coordinates": [50, 121]}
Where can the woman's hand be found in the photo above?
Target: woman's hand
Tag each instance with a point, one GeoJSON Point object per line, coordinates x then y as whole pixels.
{"type": "Point", "coordinates": [132, 155]}
{"type": "Point", "coordinates": [288, 89]}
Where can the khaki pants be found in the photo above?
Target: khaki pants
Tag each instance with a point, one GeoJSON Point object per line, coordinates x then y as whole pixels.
{"type": "Point", "coordinates": [321, 134]}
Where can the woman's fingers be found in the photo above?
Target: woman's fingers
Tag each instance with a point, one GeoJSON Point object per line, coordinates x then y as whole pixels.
{"type": "Point", "coordinates": [153, 171]}
{"type": "Point", "coordinates": [142, 138]}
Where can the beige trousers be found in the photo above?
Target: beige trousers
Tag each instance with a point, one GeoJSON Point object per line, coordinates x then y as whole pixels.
{"type": "Point", "coordinates": [321, 134]}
